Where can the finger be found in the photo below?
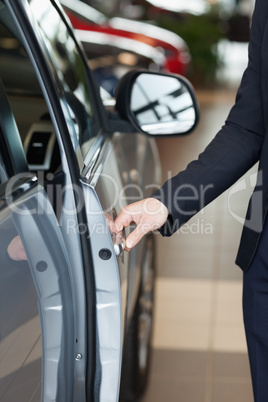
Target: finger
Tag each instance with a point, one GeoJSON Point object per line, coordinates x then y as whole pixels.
{"type": "Point", "coordinates": [137, 234]}
{"type": "Point", "coordinates": [123, 220]}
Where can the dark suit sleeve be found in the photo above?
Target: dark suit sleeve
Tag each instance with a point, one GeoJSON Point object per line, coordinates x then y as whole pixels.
{"type": "Point", "coordinates": [234, 150]}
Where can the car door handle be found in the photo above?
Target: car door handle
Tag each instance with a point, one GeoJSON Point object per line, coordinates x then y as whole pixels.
{"type": "Point", "coordinates": [119, 242]}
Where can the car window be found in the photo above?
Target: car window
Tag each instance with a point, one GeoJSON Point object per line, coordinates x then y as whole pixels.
{"type": "Point", "coordinates": [71, 72]}
{"type": "Point", "coordinates": [32, 132]}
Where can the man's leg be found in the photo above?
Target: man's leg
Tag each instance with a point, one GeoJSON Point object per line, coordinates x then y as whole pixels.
{"type": "Point", "coordinates": [255, 307]}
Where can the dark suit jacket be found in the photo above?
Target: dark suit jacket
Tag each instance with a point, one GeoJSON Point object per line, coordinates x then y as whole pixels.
{"type": "Point", "coordinates": [241, 142]}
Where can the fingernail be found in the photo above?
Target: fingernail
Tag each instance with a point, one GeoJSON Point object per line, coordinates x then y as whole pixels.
{"type": "Point", "coordinates": [129, 243]}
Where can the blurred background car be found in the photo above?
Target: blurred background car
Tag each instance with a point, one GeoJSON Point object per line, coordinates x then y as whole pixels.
{"type": "Point", "coordinates": [206, 26]}
{"type": "Point", "coordinates": [111, 56]}
{"type": "Point", "coordinates": [175, 49]}
{"type": "Point", "coordinates": [196, 7]}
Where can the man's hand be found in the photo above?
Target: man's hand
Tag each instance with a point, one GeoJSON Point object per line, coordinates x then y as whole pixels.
{"type": "Point", "coordinates": [148, 214]}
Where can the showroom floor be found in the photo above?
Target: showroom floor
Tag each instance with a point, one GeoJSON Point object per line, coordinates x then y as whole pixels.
{"type": "Point", "coordinates": [199, 348]}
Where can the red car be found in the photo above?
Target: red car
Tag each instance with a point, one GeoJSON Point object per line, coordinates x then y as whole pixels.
{"type": "Point", "coordinates": [173, 46]}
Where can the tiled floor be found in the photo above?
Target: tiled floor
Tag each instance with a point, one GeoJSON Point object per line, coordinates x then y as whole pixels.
{"type": "Point", "coordinates": [199, 343]}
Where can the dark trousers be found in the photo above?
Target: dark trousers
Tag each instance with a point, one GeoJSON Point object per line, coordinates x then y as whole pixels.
{"type": "Point", "coordinates": [255, 307]}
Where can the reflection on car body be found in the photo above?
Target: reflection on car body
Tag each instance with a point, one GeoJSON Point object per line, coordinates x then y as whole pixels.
{"type": "Point", "coordinates": [73, 322]}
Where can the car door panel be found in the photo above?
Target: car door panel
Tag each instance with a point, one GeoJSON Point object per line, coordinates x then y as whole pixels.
{"type": "Point", "coordinates": [85, 380]}
{"type": "Point", "coordinates": [140, 170]}
{"type": "Point", "coordinates": [81, 312]}
{"type": "Point", "coordinates": [48, 265]}
{"type": "Point", "coordinates": [19, 322]}
{"type": "Point", "coordinates": [104, 197]}
{"type": "Point", "coordinates": [108, 297]}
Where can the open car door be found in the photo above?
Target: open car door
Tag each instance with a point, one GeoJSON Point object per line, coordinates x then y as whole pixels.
{"type": "Point", "coordinates": [49, 342]}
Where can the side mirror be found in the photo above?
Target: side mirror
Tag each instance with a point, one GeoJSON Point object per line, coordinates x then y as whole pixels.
{"type": "Point", "coordinates": [157, 103]}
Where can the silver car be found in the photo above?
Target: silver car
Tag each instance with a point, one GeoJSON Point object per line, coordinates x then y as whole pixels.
{"type": "Point", "coordinates": [75, 308]}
